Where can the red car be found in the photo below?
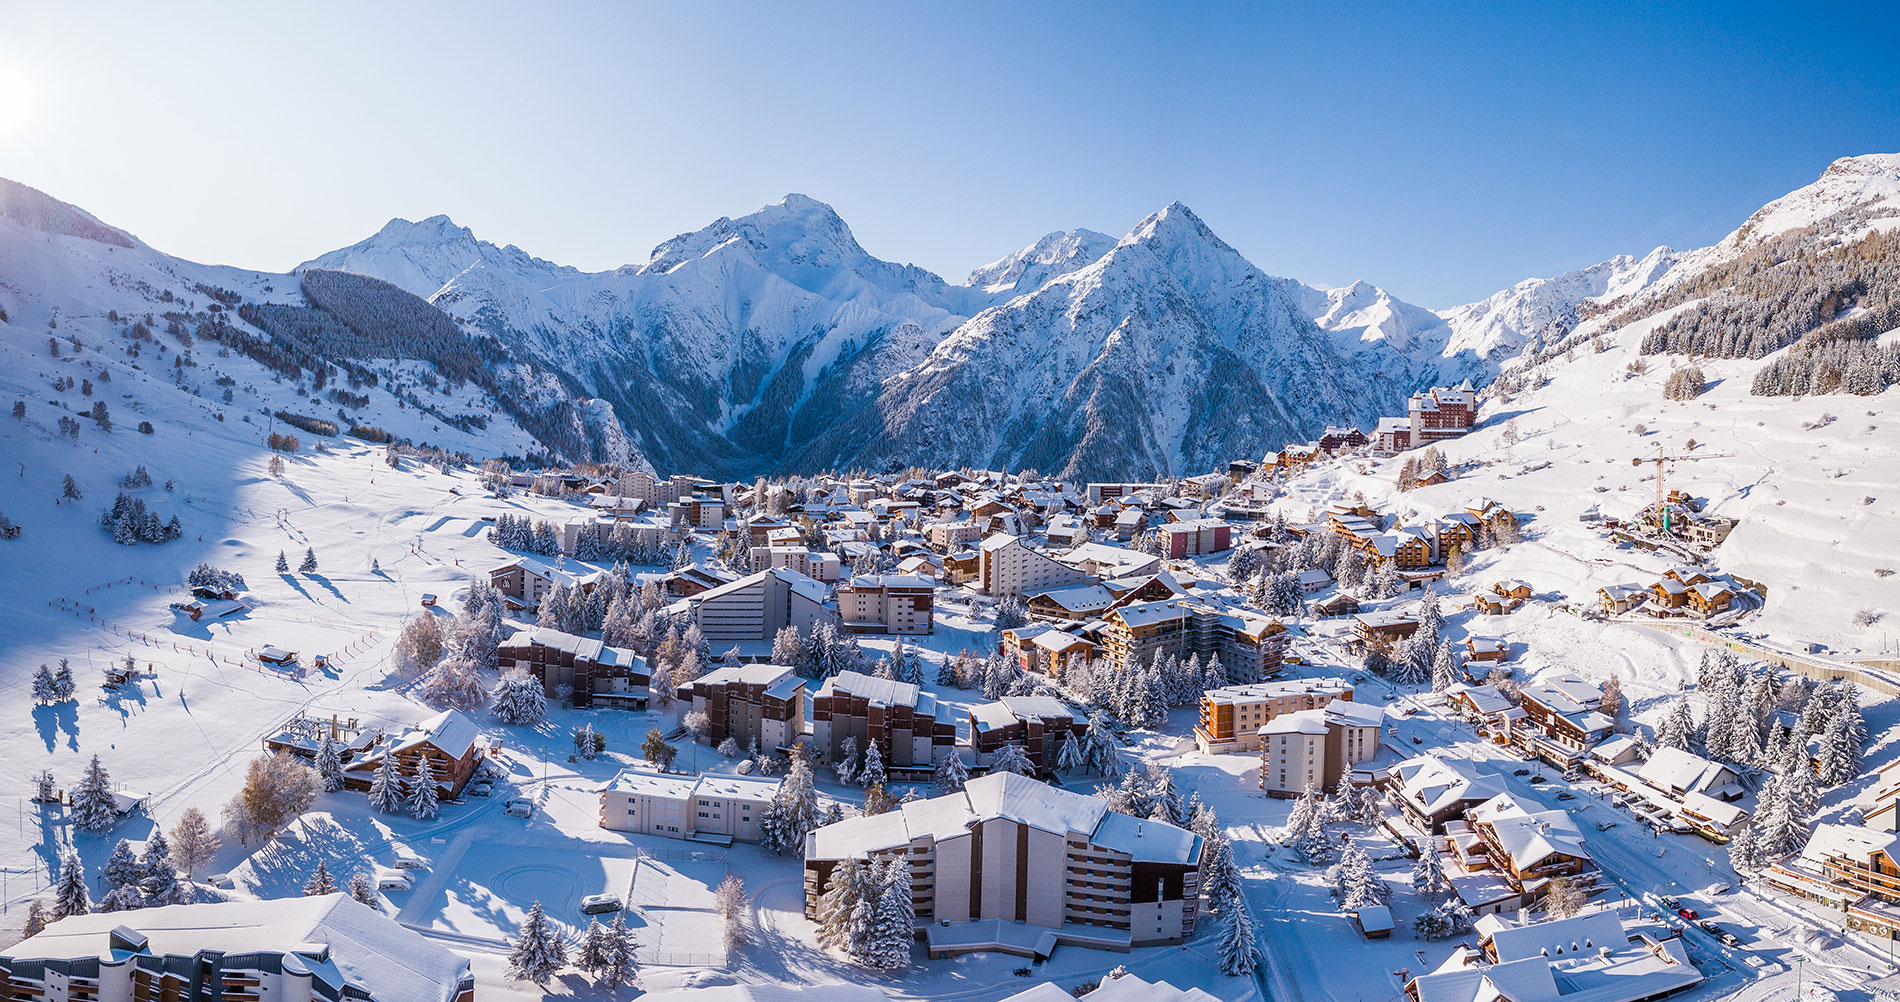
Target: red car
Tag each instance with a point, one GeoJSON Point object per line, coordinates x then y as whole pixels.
{"type": "Point", "coordinates": [1687, 914]}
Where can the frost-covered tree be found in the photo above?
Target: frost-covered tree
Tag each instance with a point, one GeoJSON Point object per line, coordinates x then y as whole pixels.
{"type": "Point", "coordinates": [122, 899]}
{"type": "Point", "coordinates": [1676, 727]}
{"type": "Point", "coordinates": [329, 764]}
{"type": "Point", "coordinates": [951, 774]}
{"type": "Point", "coordinates": [420, 644]}
{"type": "Point", "coordinates": [894, 920]}
{"type": "Point", "coordinates": [454, 684]}
{"type": "Point", "coordinates": [837, 904]}
{"type": "Point", "coordinates": [69, 888]}
{"type": "Point", "coordinates": [872, 772]}
{"type": "Point", "coordinates": [283, 563]}
{"type": "Point", "coordinates": [36, 919]}
{"type": "Point", "coordinates": [1745, 852]}
{"type": "Point", "coordinates": [1450, 918]}
{"type": "Point", "coordinates": [422, 800]}
{"type": "Point", "coordinates": [309, 564]}
{"type": "Point", "coordinates": [320, 882]}
{"type": "Point", "coordinates": [193, 843]}
{"type": "Point", "coordinates": [64, 689]}
{"type": "Point", "coordinates": [1444, 668]}
{"type": "Point", "coordinates": [94, 808]}
{"type": "Point", "coordinates": [729, 901]}
{"type": "Point", "coordinates": [1428, 873]}
{"type": "Point", "coordinates": [122, 867]}
{"type": "Point", "coordinates": [43, 685]}
{"type": "Point", "coordinates": [158, 874]}
{"type": "Point", "coordinates": [385, 786]}
{"type": "Point", "coordinates": [519, 699]}
{"type": "Point", "coordinates": [1354, 881]}
{"type": "Point", "coordinates": [845, 766]}
{"type": "Point", "coordinates": [538, 952]}
{"type": "Point", "coordinates": [1238, 951]}
{"type": "Point", "coordinates": [1013, 758]}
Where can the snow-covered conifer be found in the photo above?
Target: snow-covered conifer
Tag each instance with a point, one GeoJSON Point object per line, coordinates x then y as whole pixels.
{"type": "Point", "coordinates": [872, 772]}
{"type": "Point", "coordinates": [329, 764]}
{"type": "Point", "coordinates": [423, 800]}
{"type": "Point", "coordinates": [320, 882]}
{"type": "Point", "coordinates": [94, 809]}
{"type": "Point", "coordinates": [385, 786]}
{"type": "Point", "coordinates": [519, 699]}
{"type": "Point", "coordinates": [1013, 758]}
{"type": "Point", "coordinates": [1238, 951]}
{"type": "Point", "coordinates": [309, 564]}
{"type": "Point", "coordinates": [951, 774]}
{"type": "Point", "coordinates": [539, 951]}
{"type": "Point", "coordinates": [122, 867]}
{"type": "Point", "coordinates": [69, 888]}
{"type": "Point", "coordinates": [363, 889]}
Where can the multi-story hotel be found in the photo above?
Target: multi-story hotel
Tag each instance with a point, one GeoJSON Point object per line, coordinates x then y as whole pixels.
{"type": "Point", "coordinates": [1249, 646]}
{"type": "Point", "coordinates": [1009, 849]}
{"type": "Point", "coordinates": [910, 728]}
{"type": "Point", "coordinates": [326, 948]}
{"type": "Point", "coordinates": [887, 603]}
{"type": "Point", "coordinates": [1317, 747]}
{"type": "Point", "coordinates": [747, 703]}
{"type": "Point", "coordinates": [1853, 870]}
{"type": "Point", "coordinates": [1231, 716]}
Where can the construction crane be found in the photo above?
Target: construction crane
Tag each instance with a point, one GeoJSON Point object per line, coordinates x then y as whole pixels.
{"type": "Point", "coordinates": [1659, 459]}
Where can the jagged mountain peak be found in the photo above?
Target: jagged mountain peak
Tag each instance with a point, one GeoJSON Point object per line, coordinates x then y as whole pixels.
{"type": "Point", "coordinates": [797, 227]}
{"type": "Point", "coordinates": [1030, 268]}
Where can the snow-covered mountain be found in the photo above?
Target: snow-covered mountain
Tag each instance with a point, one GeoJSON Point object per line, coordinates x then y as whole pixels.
{"type": "Point", "coordinates": [774, 342]}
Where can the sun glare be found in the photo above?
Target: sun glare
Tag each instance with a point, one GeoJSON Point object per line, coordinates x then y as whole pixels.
{"type": "Point", "coordinates": [19, 101]}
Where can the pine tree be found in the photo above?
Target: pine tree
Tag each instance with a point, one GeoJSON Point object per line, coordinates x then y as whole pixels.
{"type": "Point", "coordinates": [423, 799]}
{"type": "Point", "coordinates": [319, 882]}
{"type": "Point", "coordinates": [1013, 758]}
{"type": "Point", "coordinates": [63, 688]}
{"type": "Point", "coordinates": [1676, 727]}
{"type": "Point", "coordinates": [1428, 873]}
{"type": "Point", "coordinates": [385, 786]}
{"type": "Point", "coordinates": [43, 691]}
{"type": "Point", "coordinates": [1745, 852]}
{"type": "Point", "coordinates": [1239, 954]}
{"type": "Point", "coordinates": [1072, 753]}
{"type": "Point", "coordinates": [329, 765]}
{"type": "Point", "coordinates": [951, 774]}
{"type": "Point", "coordinates": [69, 889]}
{"type": "Point", "coordinates": [94, 810]}
{"type": "Point", "coordinates": [539, 952]}
{"type": "Point", "coordinates": [158, 874]}
{"type": "Point", "coordinates": [838, 904]}
{"type": "Point", "coordinates": [845, 767]}
{"type": "Point", "coordinates": [895, 920]}
{"type": "Point", "coordinates": [1221, 881]}
{"type": "Point", "coordinates": [1357, 885]}
{"type": "Point", "coordinates": [519, 699]}
{"type": "Point", "coordinates": [309, 565]}
{"type": "Point", "coordinates": [283, 563]}
{"type": "Point", "coordinates": [597, 948]}
{"type": "Point", "coordinates": [363, 889]}
{"type": "Point", "coordinates": [1444, 668]}
{"type": "Point", "coordinates": [872, 772]}
{"type": "Point", "coordinates": [122, 899]}
{"type": "Point", "coordinates": [620, 967]}
{"type": "Point", "coordinates": [122, 867]}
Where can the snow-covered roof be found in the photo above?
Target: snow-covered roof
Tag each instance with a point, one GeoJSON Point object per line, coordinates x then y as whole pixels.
{"type": "Point", "coordinates": [1126, 988]}
{"type": "Point", "coordinates": [1350, 714]}
{"type": "Point", "coordinates": [1846, 841]}
{"type": "Point", "coordinates": [1529, 837]}
{"type": "Point", "coordinates": [1298, 722]}
{"type": "Point", "coordinates": [772, 993]}
{"type": "Point", "coordinates": [1009, 797]}
{"type": "Point", "coordinates": [1375, 918]}
{"type": "Point", "coordinates": [880, 691]}
{"type": "Point", "coordinates": [1255, 692]}
{"type": "Point", "coordinates": [1484, 699]}
{"type": "Point", "coordinates": [1080, 599]}
{"type": "Point", "coordinates": [387, 961]}
{"type": "Point", "coordinates": [1675, 770]}
{"type": "Point", "coordinates": [766, 675]}
{"type": "Point", "coordinates": [450, 731]}
{"type": "Point", "coordinates": [1434, 784]}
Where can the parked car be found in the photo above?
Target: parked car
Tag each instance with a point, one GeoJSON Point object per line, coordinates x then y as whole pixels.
{"type": "Point", "coordinates": [1670, 902]}
{"type": "Point", "coordinates": [481, 790]}
{"type": "Point", "coordinates": [1604, 826]}
{"type": "Point", "coordinates": [1566, 795]}
{"type": "Point", "coordinates": [1520, 772]}
{"type": "Point", "coordinates": [1728, 938]}
{"type": "Point", "coordinates": [1537, 779]}
{"type": "Point", "coordinates": [520, 807]}
{"type": "Point", "coordinates": [1687, 914]}
{"type": "Point", "coordinates": [596, 904]}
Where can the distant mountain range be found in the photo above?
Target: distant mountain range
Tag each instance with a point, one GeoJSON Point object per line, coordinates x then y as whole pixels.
{"type": "Point", "coordinates": [774, 343]}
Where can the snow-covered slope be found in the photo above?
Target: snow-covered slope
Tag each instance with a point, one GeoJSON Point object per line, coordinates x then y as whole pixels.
{"type": "Point", "coordinates": [1499, 326]}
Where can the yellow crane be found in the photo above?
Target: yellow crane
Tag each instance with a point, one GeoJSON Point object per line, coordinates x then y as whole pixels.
{"type": "Point", "coordinates": [1659, 459]}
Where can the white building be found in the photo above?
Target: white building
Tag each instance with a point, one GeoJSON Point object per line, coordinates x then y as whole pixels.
{"type": "Point", "coordinates": [1007, 567]}
{"type": "Point", "coordinates": [1317, 747]}
{"type": "Point", "coordinates": [327, 948]}
{"type": "Point", "coordinates": [888, 603]}
{"type": "Point", "coordinates": [757, 606]}
{"type": "Point", "coordinates": [1584, 958]}
{"type": "Point", "coordinates": [721, 809]}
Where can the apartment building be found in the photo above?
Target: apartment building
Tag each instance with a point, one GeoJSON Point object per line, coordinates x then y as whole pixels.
{"type": "Point", "coordinates": [1248, 645]}
{"type": "Point", "coordinates": [721, 809]}
{"type": "Point", "coordinates": [1039, 724]}
{"type": "Point", "coordinates": [949, 537]}
{"type": "Point", "coordinates": [1008, 849]}
{"type": "Point", "coordinates": [908, 725]}
{"type": "Point", "coordinates": [597, 674]}
{"type": "Point", "coordinates": [449, 740]}
{"type": "Point", "coordinates": [1441, 413]}
{"type": "Point", "coordinates": [525, 582]}
{"type": "Point", "coordinates": [1008, 567]}
{"type": "Point", "coordinates": [888, 604]}
{"type": "Point", "coordinates": [1850, 869]}
{"type": "Point", "coordinates": [1231, 716]}
{"type": "Point", "coordinates": [1180, 540]}
{"type": "Point", "coordinates": [756, 607]}
{"type": "Point", "coordinates": [326, 948]}
{"type": "Point", "coordinates": [1317, 747]}
{"type": "Point", "coordinates": [748, 703]}
{"type": "Point", "coordinates": [1434, 792]}
{"type": "Point", "coordinates": [819, 565]}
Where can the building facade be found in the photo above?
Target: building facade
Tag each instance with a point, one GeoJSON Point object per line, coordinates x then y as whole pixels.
{"type": "Point", "coordinates": [888, 603]}
{"type": "Point", "coordinates": [907, 724]}
{"type": "Point", "coordinates": [760, 703]}
{"type": "Point", "coordinates": [1231, 717]}
{"type": "Point", "coordinates": [709, 808]}
{"type": "Point", "coordinates": [597, 674]}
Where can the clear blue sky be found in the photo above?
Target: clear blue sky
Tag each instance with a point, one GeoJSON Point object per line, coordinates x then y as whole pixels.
{"type": "Point", "coordinates": [1442, 157]}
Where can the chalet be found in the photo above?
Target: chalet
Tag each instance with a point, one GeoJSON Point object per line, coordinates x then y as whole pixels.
{"type": "Point", "coordinates": [695, 579]}
{"type": "Point", "coordinates": [1249, 646]}
{"type": "Point", "coordinates": [1588, 957]}
{"type": "Point", "coordinates": [1100, 560]}
{"type": "Point", "coordinates": [1374, 921]}
{"type": "Point", "coordinates": [911, 729]}
{"type": "Point", "coordinates": [1039, 724]}
{"type": "Point", "coordinates": [1620, 598]}
{"type": "Point", "coordinates": [961, 567]}
{"type": "Point", "coordinates": [276, 656]}
{"type": "Point", "coordinates": [1527, 848]}
{"type": "Point", "coordinates": [596, 674]}
{"type": "Point", "coordinates": [1431, 478]}
{"type": "Point", "coordinates": [1204, 486]}
{"type": "Point", "coordinates": [1382, 629]}
{"type": "Point", "coordinates": [1054, 649]}
{"type": "Point", "coordinates": [1019, 643]}
{"type": "Point", "coordinates": [1849, 869]}
{"type": "Point", "coordinates": [1484, 703]}
{"type": "Point", "coordinates": [1678, 773]}
{"type": "Point", "coordinates": [1434, 792]}
{"type": "Point", "coordinates": [1313, 580]}
{"type": "Point", "coordinates": [1340, 604]}
{"type": "Point", "coordinates": [1565, 711]}
{"type": "Point", "coordinates": [1491, 513]}
{"type": "Point", "coordinates": [448, 740]}
{"type": "Point", "coordinates": [1457, 530]}
{"type": "Point", "coordinates": [1486, 649]}
{"type": "Point", "coordinates": [1407, 548]}
{"type": "Point", "coordinates": [1073, 604]}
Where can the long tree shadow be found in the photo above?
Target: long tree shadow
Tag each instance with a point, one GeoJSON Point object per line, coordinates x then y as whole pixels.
{"type": "Point", "coordinates": [325, 582]}
{"type": "Point", "coordinates": [51, 720]}
{"type": "Point", "coordinates": [292, 581]}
